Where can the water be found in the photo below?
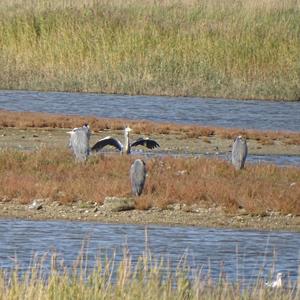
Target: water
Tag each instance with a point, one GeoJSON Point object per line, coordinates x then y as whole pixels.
{"type": "Point", "coordinates": [217, 112]}
{"type": "Point", "coordinates": [240, 254]}
{"type": "Point", "coordinates": [263, 115]}
{"type": "Point", "coordinates": [280, 160]}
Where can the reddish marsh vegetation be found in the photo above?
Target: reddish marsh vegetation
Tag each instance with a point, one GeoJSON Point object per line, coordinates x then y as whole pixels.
{"type": "Point", "coordinates": [53, 174]}
{"type": "Point", "coordinates": [42, 120]}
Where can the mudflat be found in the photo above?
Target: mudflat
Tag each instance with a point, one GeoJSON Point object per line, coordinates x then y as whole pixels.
{"type": "Point", "coordinates": [173, 215]}
{"type": "Point", "coordinates": [30, 139]}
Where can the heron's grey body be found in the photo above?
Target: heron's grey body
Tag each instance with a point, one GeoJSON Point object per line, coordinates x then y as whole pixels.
{"type": "Point", "coordinates": [126, 147]}
{"type": "Point", "coordinates": [79, 142]}
{"type": "Point", "coordinates": [239, 152]}
{"type": "Point", "coordinates": [138, 176]}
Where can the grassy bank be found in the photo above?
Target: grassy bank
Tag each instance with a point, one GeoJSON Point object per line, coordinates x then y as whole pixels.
{"type": "Point", "coordinates": [148, 278]}
{"type": "Point", "coordinates": [214, 48]}
{"type": "Point", "coordinates": [53, 174]}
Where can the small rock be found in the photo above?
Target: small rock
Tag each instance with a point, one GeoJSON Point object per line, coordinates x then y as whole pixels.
{"type": "Point", "coordinates": [154, 208]}
{"type": "Point", "coordinates": [181, 172]}
{"type": "Point", "coordinates": [116, 204]}
{"type": "Point", "coordinates": [263, 214]}
{"type": "Point", "coordinates": [242, 212]}
{"type": "Point", "coordinates": [95, 209]}
{"type": "Point", "coordinates": [175, 206]}
{"type": "Point", "coordinates": [35, 205]}
{"type": "Point", "coordinates": [275, 213]}
{"type": "Point", "coordinates": [5, 199]}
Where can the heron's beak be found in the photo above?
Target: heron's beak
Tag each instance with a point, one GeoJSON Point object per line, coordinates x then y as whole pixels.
{"type": "Point", "coordinates": [69, 132]}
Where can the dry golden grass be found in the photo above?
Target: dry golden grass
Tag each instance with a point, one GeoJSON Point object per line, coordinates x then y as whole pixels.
{"type": "Point", "coordinates": [53, 174]}
{"type": "Point", "coordinates": [43, 120]}
{"type": "Point", "coordinates": [146, 277]}
{"type": "Point", "coordinates": [210, 48]}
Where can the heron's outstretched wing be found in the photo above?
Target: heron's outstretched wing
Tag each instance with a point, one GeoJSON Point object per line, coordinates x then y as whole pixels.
{"type": "Point", "coordinates": [151, 144]}
{"type": "Point", "coordinates": [107, 141]}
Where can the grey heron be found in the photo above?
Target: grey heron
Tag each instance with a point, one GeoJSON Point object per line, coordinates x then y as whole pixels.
{"type": "Point", "coordinates": [239, 152]}
{"type": "Point", "coordinates": [126, 147]}
{"type": "Point", "coordinates": [138, 176]}
{"type": "Point", "coordinates": [79, 142]}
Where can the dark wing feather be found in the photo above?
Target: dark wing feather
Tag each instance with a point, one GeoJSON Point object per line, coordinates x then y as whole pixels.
{"type": "Point", "coordinates": [107, 141]}
{"type": "Point", "coordinates": [151, 144]}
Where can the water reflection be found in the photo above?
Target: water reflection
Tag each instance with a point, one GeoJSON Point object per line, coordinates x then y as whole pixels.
{"type": "Point", "coordinates": [241, 254]}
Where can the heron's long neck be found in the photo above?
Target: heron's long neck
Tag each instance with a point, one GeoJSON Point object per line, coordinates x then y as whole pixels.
{"type": "Point", "coordinates": [126, 143]}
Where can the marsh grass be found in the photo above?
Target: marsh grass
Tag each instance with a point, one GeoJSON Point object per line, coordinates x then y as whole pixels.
{"type": "Point", "coordinates": [52, 174]}
{"type": "Point", "coordinates": [212, 48]}
{"type": "Point", "coordinates": [146, 278]}
{"type": "Point", "coordinates": [25, 120]}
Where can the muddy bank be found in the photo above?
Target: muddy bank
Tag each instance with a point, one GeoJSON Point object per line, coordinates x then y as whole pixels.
{"type": "Point", "coordinates": [35, 138]}
{"type": "Point", "coordinates": [174, 215]}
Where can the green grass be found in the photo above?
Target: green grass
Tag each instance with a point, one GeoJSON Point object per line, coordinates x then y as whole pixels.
{"type": "Point", "coordinates": [214, 48]}
{"type": "Point", "coordinates": [149, 278]}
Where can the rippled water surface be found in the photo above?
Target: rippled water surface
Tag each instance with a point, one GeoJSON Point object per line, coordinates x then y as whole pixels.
{"type": "Point", "coordinates": [281, 160]}
{"type": "Point", "coordinates": [241, 253]}
{"type": "Point", "coordinates": [225, 113]}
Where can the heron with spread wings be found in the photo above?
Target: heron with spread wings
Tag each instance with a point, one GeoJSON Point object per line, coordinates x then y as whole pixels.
{"type": "Point", "coordinates": [126, 147]}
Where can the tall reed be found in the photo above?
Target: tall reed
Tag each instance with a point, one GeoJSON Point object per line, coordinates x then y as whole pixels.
{"type": "Point", "coordinates": [147, 278]}
{"type": "Point", "coordinates": [212, 48]}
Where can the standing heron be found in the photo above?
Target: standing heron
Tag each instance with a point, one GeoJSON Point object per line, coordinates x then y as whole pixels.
{"type": "Point", "coordinates": [239, 152]}
{"type": "Point", "coordinates": [126, 147]}
{"type": "Point", "coordinates": [138, 176]}
{"type": "Point", "coordinates": [79, 142]}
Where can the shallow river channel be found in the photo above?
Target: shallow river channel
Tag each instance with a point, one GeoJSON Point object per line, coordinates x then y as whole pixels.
{"type": "Point", "coordinates": [240, 254]}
